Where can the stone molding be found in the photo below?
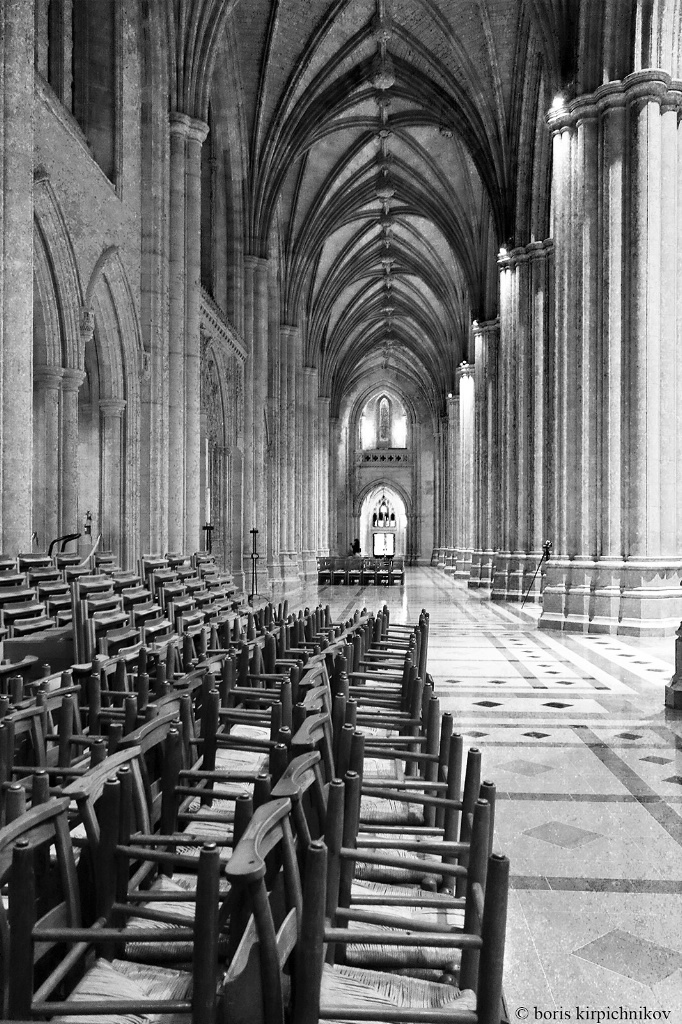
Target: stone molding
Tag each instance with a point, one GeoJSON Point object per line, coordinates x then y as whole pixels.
{"type": "Point", "coordinates": [215, 323]}
{"type": "Point", "coordinates": [522, 254]}
{"type": "Point", "coordinates": [650, 85]}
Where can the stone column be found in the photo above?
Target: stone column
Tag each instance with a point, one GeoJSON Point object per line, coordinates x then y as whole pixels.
{"type": "Point", "coordinates": [618, 458]}
{"type": "Point", "coordinates": [284, 480]}
{"type": "Point", "coordinates": [293, 489]}
{"type": "Point", "coordinates": [260, 386]}
{"type": "Point", "coordinates": [186, 137]}
{"type": "Point", "coordinates": [336, 489]}
{"type": "Point", "coordinates": [447, 454]}
{"type": "Point", "coordinates": [111, 511]}
{"type": "Point", "coordinates": [465, 504]}
{"type": "Point", "coordinates": [16, 275]}
{"type": "Point", "coordinates": [452, 459]}
{"type": "Point", "coordinates": [323, 542]}
{"type": "Point", "coordinates": [46, 521]}
{"type": "Point", "coordinates": [70, 470]}
{"type": "Point", "coordinates": [289, 550]}
{"type": "Point", "coordinates": [308, 481]}
{"type": "Point", "coordinates": [249, 447]}
{"type": "Point", "coordinates": [439, 478]}
{"type": "Point", "coordinates": [196, 133]}
{"type": "Point", "coordinates": [524, 330]}
{"type": "Point", "coordinates": [486, 491]}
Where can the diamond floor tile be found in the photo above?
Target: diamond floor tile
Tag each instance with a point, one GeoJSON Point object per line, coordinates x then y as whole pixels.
{"type": "Point", "coordinates": [569, 837]}
{"type": "Point", "coordinates": [632, 956]}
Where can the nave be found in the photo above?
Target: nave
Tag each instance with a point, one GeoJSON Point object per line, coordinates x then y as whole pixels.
{"type": "Point", "coordinates": [588, 768]}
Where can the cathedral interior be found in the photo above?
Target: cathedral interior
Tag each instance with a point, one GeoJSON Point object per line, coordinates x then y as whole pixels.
{"type": "Point", "coordinates": [279, 277]}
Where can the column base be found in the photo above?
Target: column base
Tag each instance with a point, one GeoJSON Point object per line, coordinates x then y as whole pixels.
{"type": "Point", "coordinates": [463, 567]}
{"type": "Point", "coordinates": [632, 597]}
{"type": "Point", "coordinates": [308, 566]}
{"type": "Point", "coordinates": [513, 576]}
{"type": "Point", "coordinates": [482, 570]}
{"type": "Point", "coordinates": [289, 568]}
{"type": "Point", "coordinates": [449, 561]}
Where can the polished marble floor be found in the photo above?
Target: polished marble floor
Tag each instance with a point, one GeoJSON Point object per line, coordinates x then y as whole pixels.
{"type": "Point", "coordinates": [588, 768]}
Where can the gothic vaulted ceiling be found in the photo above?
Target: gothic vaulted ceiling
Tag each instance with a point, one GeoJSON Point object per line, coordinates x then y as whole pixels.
{"type": "Point", "coordinates": [393, 147]}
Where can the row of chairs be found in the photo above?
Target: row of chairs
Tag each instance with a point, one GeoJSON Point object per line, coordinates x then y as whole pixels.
{"type": "Point", "coordinates": [299, 911]}
{"type": "Point", "coordinates": [40, 592]}
{"type": "Point", "coordinates": [355, 570]}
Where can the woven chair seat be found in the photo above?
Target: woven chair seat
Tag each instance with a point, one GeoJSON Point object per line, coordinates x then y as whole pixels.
{"type": "Point", "coordinates": [121, 980]}
{"type": "Point", "coordinates": [155, 951]}
{"type": "Point", "coordinates": [358, 989]}
{"type": "Point", "coordinates": [399, 956]}
{"type": "Point", "coordinates": [399, 876]}
{"type": "Point", "coordinates": [375, 809]}
{"type": "Point", "coordinates": [383, 768]}
{"type": "Point", "coordinates": [208, 830]}
{"type": "Point", "coordinates": [235, 760]}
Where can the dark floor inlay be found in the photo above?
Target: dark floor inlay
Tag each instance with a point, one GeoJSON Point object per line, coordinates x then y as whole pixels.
{"type": "Point", "coordinates": [537, 735]}
{"type": "Point", "coordinates": [657, 760]}
{"type": "Point", "coordinates": [558, 833]}
{"type": "Point", "coordinates": [528, 768]}
{"type": "Point", "coordinates": [557, 704]}
{"type": "Point", "coordinates": [499, 682]}
{"type": "Point", "coordinates": [629, 735]}
{"type": "Point", "coordinates": [675, 778]}
{"type": "Point", "coordinates": [488, 704]}
{"type": "Point", "coordinates": [476, 734]}
{"type": "Point", "coordinates": [632, 956]}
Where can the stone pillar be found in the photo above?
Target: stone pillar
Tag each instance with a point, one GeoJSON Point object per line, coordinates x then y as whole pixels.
{"type": "Point", "coordinates": [184, 435]}
{"type": "Point", "coordinates": [293, 489]}
{"type": "Point", "coordinates": [111, 514]}
{"type": "Point", "coordinates": [283, 414]}
{"type": "Point", "coordinates": [249, 447]}
{"type": "Point", "coordinates": [486, 490]}
{"type": "Point", "coordinates": [196, 133]}
{"type": "Point", "coordinates": [323, 543]}
{"type": "Point", "coordinates": [46, 522]}
{"type": "Point", "coordinates": [524, 333]}
{"type": "Point", "coordinates": [336, 489]}
{"type": "Point", "coordinates": [465, 477]}
{"type": "Point", "coordinates": [70, 470]}
{"type": "Point", "coordinates": [308, 477]}
{"type": "Point", "coordinates": [451, 447]}
{"type": "Point", "coordinates": [288, 548]}
{"type": "Point", "coordinates": [260, 391]}
{"type": "Point", "coordinates": [16, 275]}
{"type": "Point", "coordinates": [616, 439]}
{"type": "Point", "coordinates": [446, 441]}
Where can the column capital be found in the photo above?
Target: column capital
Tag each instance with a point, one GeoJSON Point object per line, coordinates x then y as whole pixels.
{"type": "Point", "coordinates": [464, 370]}
{"type": "Point", "coordinates": [486, 328]}
{"type": "Point", "coordinates": [324, 400]}
{"type": "Point", "coordinates": [72, 378]}
{"type": "Point", "coordinates": [187, 127]}
{"type": "Point", "coordinates": [47, 377]}
{"type": "Point", "coordinates": [112, 408]}
{"type": "Point", "coordinates": [252, 262]}
{"type": "Point", "coordinates": [310, 370]}
{"type": "Point", "coordinates": [647, 86]}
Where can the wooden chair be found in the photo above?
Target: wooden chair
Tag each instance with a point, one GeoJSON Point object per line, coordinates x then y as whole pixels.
{"type": "Point", "coordinates": [116, 985]}
{"type": "Point", "coordinates": [294, 936]}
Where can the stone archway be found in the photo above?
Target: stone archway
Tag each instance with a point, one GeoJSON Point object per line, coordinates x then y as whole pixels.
{"type": "Point", "coordinates": [109, 412]}
{"type": "Point", "coordinates": [57, 369]}
{"type": "Point", "coordinates": [401, 501]}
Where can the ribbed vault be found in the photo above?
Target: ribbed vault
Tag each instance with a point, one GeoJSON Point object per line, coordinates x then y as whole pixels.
{"type": "Point", "coordinates": [394, 146]}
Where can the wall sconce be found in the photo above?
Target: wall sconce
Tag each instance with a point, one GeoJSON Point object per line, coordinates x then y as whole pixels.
{"type": "Point", "coordinates": [87, 524]}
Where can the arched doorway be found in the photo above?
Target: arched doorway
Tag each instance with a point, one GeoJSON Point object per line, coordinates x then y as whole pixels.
{"type": "Point", "coordinates": [383, 522]}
